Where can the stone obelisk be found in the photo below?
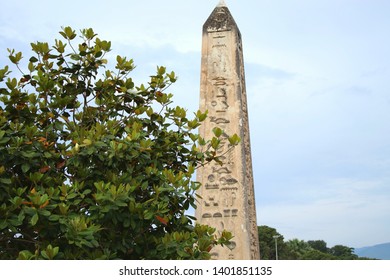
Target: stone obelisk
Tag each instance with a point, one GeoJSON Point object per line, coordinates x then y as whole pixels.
{"type": "Point", "coordinates": [228, 200]}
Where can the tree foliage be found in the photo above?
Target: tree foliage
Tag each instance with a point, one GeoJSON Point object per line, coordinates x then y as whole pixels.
{"type": "Point", "coordinates": [93, 166]}
{"type": "Point", "coordinates": [316, 255]}
{"type": "Point", "coordinates": [296, 249]}
{"type": "Point", "coordinates": [343, 252]}
{"type": "Point", "coordinates": [319, 245]}
{"type": "Point", "coordinates": [267, 243]}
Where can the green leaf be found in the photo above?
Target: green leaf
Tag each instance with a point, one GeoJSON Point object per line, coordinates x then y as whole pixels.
{"type": "Point", "coordinates": [21, 217]}
{"type": "Point", "coordinates": [3, 224]}
{"type": "Point", "coordinates": [106, 45]}
{"type": "Point", "coordinates": [11, 83]}
{"type": "Point", "coordinates": [217, 131]}
{"type": "Point", "coordinates": [63, 208]}
{"type": "Point", "coordinates": [50, 252]}
{"type": "Point", "coordinates": [31, 67]}
{"type": "Point", "coordinates": [68, 33]}
{"type": "Point", "coordinates": [193, 124]}
{"type": "Point", "coordinates": [60, 46]}
{"type": "Point", "coordinates": [47, 155]}
{"type": "Point", "coordinates": [234, 140]}
{"type": "Point", "coordinates": [55, 251]}
{"type": "Point", "coordinates": [54, 218]}
{"type": "Point", "coordinates": [6, 181]}
{"type": "Point", "coordinates": [3, 73]}
{"type": "Point", "coordinates": [29, 154]}
{"type": "Point", "coordinates": [201, 116]}
{"type": "Point", "coordinates": [88, 33]}
{"type": "Point", "coordinates": [87, 142]}
{"type": "Point", "coordinates": [44, 255]}
{"type": "Point", "coordinates": [15, 58]}
{"type": "Point", "coordinates": [215, 143]}
{"type": "Point", "coordinates": [161, 70]}
{"type": "Point", "coordinates": [33, 59]}
{"type": "Point", "coordinates": [45, 213]}
{"type": "Point", "coordinates": [25, 255]}
{"type": "Point", "coordinates": [71, 196]}
{"type": "Point", "coordinates": [34, 219]}
{"type": "Point", "coordinates": [25, 167]}
{"type": "Point", "coordinates": [4, 140]}
{"type": "Point", "coordinates": [148, 215]}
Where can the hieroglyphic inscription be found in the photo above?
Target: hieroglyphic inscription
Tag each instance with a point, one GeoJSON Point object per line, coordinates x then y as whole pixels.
{"type": "Point", "coordinates": [222, 170]}
{"type": "Point", "coordinates": [220, 178]}
{"type": "Point", "coordinates": [211, 201]}
{"type": "Point", "coordinates": [219, 46]}
{"type": "Point", "coordinates": [226, 203]}
{"type": "Point", "coordinates": [219, 41]}
{"type": "Point", "coordinates": [219, 120]}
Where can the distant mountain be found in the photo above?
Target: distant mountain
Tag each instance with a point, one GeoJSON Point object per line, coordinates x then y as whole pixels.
{"type": "Point", "coordinates": [380, 251]}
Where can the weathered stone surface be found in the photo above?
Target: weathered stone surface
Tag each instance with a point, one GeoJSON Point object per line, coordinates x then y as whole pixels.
{"type": "Point", "coordinates": [227, 191]}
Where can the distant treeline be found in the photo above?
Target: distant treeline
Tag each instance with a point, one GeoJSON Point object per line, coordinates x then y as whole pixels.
{"type": "Point", "coordinates": [273, 246]}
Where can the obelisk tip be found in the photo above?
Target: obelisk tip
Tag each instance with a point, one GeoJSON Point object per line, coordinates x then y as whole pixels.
{"type": "Point", "coordinates": [221, 3]}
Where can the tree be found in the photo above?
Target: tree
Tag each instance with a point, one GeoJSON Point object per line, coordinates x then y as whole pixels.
{"type": "Point", "coordinates": [319, 245]}
{"type": "Point", "coordinates": [297, 249]}
{"type": "Point", "coordinates": [94, 167]}
{"type": "Point", "coordinates": [317, 255]}
{"type": "Point", "coordinates": [267, 243]}
{"type": "Point", "coordinates": [343, 252]}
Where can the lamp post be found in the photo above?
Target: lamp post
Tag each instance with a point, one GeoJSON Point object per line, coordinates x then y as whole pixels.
{"type": "Point", "coordinates": [276, 245]}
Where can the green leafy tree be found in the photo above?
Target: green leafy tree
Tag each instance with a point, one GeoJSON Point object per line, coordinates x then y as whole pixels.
{"type": "Point", "coordinates": [94, 167]}
{"type": "Point", "coordinates": [316, 255]}
{"type": "Point", "coordinates": [319, 245]}
{"type": "Point", "coordinates": [267, 243]}
{"type": "Point", "coordinates": [297, 249]}
{"type": "Point", "coordinates": [343, 252]}
{"type": "Point", "coordinates": [319, 251]}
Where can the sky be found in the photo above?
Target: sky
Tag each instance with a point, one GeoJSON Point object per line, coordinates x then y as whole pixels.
{"type": "Point", "coordinates": [317, 77]}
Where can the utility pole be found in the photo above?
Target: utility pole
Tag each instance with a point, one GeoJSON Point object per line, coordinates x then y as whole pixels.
{"type": "Point", "coordinates": [276, 245]}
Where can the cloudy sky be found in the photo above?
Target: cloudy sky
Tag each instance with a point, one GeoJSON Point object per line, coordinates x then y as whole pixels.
{"type": "Point", "coordinates": [318, 85]}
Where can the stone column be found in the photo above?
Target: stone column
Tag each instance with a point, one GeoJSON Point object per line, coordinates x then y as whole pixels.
{"type": "Point", "coordinates": [228, 192]}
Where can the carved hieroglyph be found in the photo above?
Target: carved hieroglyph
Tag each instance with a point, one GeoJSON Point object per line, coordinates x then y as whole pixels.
{"type": "Point", "coordinates": [227, 191]}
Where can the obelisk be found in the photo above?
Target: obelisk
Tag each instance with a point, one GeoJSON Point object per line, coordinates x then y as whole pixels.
{"type": "Point", "coordinates": [228, 200]}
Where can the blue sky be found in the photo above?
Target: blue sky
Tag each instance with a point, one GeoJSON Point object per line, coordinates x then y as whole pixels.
{"type": "Point", "coordinates": [318, 91]}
